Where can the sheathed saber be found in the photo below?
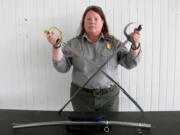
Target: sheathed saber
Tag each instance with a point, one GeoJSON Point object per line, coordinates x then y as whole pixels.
{"type": "Point", "coordinates": [104, 123]}
{"type": "Point", "coordinates": [100, 69]}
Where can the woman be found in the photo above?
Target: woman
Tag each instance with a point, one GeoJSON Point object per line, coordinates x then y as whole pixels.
{"type": "Point", "coordinates": [95, 43]}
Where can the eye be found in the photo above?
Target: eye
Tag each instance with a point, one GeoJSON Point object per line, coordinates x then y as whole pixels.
{"type": "Point", "coordinates": [88, 19]}
{"type": "Point", "coordinates": [96, 19]}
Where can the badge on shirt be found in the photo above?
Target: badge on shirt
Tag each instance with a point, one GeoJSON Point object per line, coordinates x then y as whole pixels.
{"type": "Point", "coordinates": [108, 46]}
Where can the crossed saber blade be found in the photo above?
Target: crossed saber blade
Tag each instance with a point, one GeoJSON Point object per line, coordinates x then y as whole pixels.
{"type": "Point", "coordinates": [100, 68]}
{"type": "Point", "coordinates": [105, 123]}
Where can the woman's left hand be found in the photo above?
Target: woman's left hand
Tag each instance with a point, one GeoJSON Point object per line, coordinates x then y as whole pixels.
{"type": "Point", "coordinates": [136, 35]}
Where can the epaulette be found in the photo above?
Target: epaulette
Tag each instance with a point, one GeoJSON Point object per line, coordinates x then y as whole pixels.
{"type": "Point", "coordinates": [109, 38]}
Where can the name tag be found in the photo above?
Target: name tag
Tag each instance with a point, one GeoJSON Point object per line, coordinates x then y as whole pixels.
{"type": "Point", "coordinates": [78, 49]}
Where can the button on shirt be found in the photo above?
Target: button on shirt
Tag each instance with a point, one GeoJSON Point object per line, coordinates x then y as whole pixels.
{"type": "Point", "coordinates": [98, 52]}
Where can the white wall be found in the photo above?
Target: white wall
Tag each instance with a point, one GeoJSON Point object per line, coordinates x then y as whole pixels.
{"type": "Point", "coordinates": [29, 81]}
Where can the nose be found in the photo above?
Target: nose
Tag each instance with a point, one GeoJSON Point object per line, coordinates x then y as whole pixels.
{"type": "Point", "coordinates": [92, 20]}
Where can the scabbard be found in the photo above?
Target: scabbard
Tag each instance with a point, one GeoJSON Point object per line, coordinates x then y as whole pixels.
{"type": "Point", "coordinates": [86, 123]}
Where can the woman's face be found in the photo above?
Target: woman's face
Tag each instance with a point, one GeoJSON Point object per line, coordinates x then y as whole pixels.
{"type": "Point", "coordinates": [93, 23]}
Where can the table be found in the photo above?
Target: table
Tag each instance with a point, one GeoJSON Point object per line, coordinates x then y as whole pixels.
{"type": "Point", "coordinates": [163, 123]}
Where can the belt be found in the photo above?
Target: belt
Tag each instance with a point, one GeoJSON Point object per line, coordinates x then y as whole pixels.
{"type": "Point", "coordinates": [96, 92]}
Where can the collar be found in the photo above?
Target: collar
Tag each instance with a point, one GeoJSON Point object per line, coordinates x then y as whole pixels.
{"type": "Point", "coordinates": [101, 37]}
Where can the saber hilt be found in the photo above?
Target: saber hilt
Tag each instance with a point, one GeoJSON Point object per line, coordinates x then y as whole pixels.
{"type": "Point", "coordinates": [58, 41]}
{"type": "Point", "coordinates": [129, 38]}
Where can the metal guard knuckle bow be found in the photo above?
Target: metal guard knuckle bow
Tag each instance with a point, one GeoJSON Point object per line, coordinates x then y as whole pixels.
{"type": "Point", "coordinates": [59, 31]}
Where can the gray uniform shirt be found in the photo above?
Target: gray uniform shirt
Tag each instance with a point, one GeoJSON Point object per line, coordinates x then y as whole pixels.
{"type": "Point", "coordinates": [98, 52]}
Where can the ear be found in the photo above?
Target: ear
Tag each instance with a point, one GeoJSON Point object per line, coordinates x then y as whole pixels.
{"type": "Point", "coordinates": [103, 21]}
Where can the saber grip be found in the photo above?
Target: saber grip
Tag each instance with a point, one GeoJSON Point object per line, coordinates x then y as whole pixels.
{"type": "Point", "coordinates": [139, 28]}
{"type": "Point", "coordinates": [132, 40]}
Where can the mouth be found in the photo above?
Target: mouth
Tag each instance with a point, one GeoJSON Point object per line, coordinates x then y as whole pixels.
{"type": "Point", "coordinates": [91, 27]}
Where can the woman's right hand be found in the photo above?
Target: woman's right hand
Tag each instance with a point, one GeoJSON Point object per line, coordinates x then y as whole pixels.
{"type": "Point", "coordinates": [52, 38]}
{"type": "Point", "coordinates": [57, 52]}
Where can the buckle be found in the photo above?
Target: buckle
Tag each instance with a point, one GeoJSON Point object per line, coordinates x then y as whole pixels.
{"type": "Point", "coordinates": [96, 92]}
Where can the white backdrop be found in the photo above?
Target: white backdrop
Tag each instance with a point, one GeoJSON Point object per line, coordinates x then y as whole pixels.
{"type": "Point", "coordinates": [29, 81]}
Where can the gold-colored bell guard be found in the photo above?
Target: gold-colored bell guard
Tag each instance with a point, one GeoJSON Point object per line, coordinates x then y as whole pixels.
{"type": "Point", "coordinates": [59, 31]}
